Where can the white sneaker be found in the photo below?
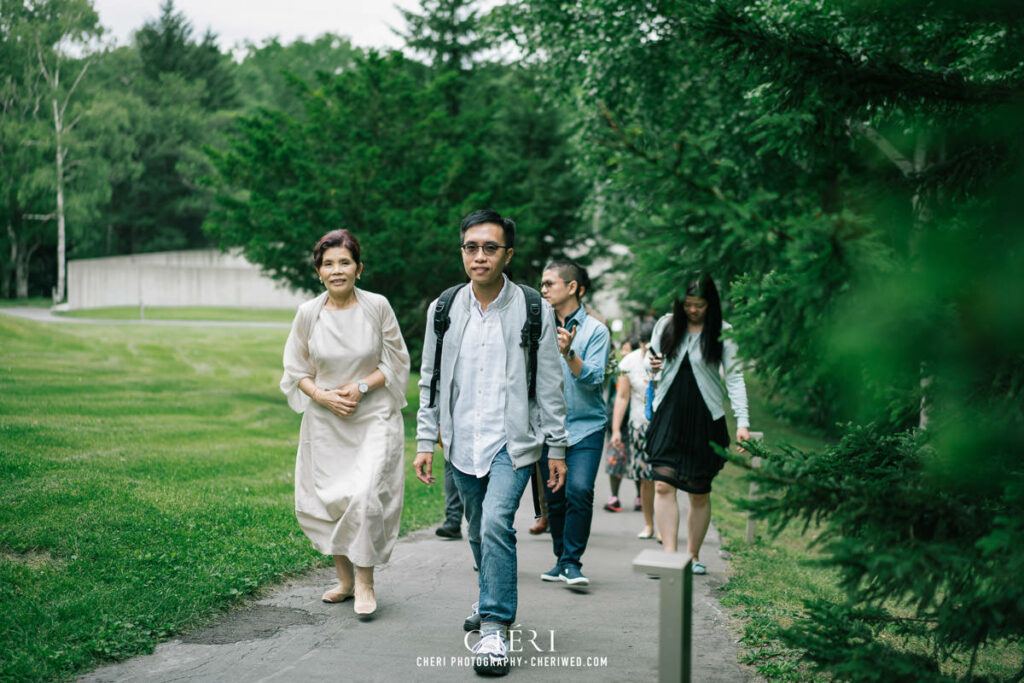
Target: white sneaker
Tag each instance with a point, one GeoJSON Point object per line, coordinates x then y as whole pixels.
{"type": "Point", "coordinates": [491, 655]}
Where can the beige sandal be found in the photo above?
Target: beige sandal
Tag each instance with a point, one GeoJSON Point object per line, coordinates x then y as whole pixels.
{"type": "Point", "coordinates": [338, 594]}
{"type": "Point", "coordinates": [365, 605]}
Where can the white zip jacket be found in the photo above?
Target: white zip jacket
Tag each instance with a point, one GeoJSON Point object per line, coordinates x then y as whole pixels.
{"type": "Point", "coordinates": [709, 377]}
{"type": "Point", "coordinates": [529, 425]}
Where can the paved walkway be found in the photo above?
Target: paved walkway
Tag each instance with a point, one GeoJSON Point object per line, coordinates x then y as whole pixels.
{"type": "Point", "coordinates": [608, 633]}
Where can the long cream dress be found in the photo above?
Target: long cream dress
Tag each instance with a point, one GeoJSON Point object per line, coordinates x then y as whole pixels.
{"type": "Point", "coordinates": [349, 472]}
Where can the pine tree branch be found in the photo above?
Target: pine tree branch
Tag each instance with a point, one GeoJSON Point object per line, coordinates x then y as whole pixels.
{"type": "Point", "coordinates": [674, 169]}
{"type": "Point", "coordinates": [609, 119]}
{"type": "Point", "coordinates": [904, 164]}
{"type": "Point", "coordinates": [809, 60]}
{"type": "Point", "coordinates": [897, 620]}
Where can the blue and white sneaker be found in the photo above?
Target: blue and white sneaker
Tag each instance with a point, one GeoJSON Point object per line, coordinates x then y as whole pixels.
{"type": "Point", "coordinates": [553, 574]}
{"type": "Point", "coordinates": [490, 655]}
{"type": "Point", "coordinates": [572, 575]}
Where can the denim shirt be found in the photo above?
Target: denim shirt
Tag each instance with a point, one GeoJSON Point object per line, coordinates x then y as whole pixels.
{"type": "Point", "coordinates": [584, 395]}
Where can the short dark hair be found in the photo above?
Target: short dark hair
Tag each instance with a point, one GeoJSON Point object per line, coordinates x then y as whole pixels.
{"type": "Point", "coordinates": [645, 331]}
{"type": "Point", "coordinates": [336, 238]}
{"type": "Point", "coordinates": [481, 216]}
{"type": "Point", "coordinates": [570, 271]}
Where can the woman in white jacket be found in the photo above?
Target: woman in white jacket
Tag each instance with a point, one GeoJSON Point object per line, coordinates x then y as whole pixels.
{"type": "Point", "coordinates": [688, 412]}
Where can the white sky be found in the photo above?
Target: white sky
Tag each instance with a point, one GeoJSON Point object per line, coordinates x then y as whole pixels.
{"type": "Point", "coordinates": [365, 22]}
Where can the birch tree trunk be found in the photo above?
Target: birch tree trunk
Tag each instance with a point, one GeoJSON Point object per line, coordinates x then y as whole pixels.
{"type": "Point", "coordinates": [58, 292]}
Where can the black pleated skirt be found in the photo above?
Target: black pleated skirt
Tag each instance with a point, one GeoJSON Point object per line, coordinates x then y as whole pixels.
{"type": "Point", "coordinates": [680, 435]}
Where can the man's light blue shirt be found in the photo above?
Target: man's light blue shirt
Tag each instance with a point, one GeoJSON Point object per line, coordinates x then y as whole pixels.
{"type": "Point", "coordinates": [584, 395]}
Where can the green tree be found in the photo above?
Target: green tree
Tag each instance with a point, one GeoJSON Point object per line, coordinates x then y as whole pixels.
{"type": "Point", "coordinates": [519, 156]}
{"type": "Point", "coordinates": [367, 155]}
{"type": "Point", "coordinates": [267, 72]}
{"type": "Point", "coordinates": [42, 83]}
{"type": "Point", "coordinates": [166, 97]}
{"type": "Point", "coordinates": [849, 174]}
{"type": "Point", "coordinates": [167, 46]}
{"type": "Point", "coordinates": [398, 151]}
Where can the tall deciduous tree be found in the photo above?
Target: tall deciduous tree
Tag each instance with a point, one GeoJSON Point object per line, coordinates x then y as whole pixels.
{"type": "Point", "coordinates": [44, 33]}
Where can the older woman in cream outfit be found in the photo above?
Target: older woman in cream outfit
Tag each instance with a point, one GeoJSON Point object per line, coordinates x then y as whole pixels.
{"type": "Point", "coordinates": [346, 369]}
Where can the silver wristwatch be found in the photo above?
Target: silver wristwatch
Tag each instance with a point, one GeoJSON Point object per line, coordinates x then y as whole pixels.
{"type": "Point", "coordinates": [363, 387]}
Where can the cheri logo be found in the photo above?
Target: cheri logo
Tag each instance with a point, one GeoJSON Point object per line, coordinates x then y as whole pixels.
{"type": "Point", "coordinates": [520, 639]}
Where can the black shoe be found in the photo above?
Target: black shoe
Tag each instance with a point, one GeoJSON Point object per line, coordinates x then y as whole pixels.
{"type": "Point", "coordinates": [449, 531]}
{"type": "Point", "coordinates": [472, 622]}
{"type": "Point", "coordinates": [553, 574]}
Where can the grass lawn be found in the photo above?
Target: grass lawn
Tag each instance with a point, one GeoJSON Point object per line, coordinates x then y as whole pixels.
{"type": "Point", "coordinates": [145, 485]}
{"type": "Point", "coordinates": [198, 313]}
{"type": "Point", "coordinates": [34, 302]}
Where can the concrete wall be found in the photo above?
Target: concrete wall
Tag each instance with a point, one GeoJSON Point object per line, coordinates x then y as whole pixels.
{"type": "Point", "coordinates": [175, 278]}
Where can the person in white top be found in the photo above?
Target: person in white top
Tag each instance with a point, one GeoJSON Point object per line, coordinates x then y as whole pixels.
{"type": "Point", "coordinates": [346, 369]}
{"type": "Point", "coordinates": [635, 374]}
{"type": "Point", "coordinates": [617, 456]}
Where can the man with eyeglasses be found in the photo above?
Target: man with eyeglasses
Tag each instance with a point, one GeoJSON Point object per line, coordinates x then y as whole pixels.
{"type": "Point", "coordinates": [584, 343]}
{"type": "Point", "coordinates": [492, 431]}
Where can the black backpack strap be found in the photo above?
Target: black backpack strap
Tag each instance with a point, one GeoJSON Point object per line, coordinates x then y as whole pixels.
{"type": "Point", "coordinates": [442, 320]}
{"type": "Point", "coordinates": [531, 333]}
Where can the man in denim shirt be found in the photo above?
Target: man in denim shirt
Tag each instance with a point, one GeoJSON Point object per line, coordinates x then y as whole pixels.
{"type": "Point", "coordinates": [584, 343]}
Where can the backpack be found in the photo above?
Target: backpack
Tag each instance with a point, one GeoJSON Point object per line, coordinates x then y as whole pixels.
{"type": "Point", "coordinates": [530, 336]}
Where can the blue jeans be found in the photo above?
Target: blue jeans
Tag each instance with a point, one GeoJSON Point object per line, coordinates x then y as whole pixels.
{"type": "Point", "coordinates": [452, 502]}
{"type": "Point", "coordinates": [491, 503]}
{"type": "Point", "coordinates": [571, 508]}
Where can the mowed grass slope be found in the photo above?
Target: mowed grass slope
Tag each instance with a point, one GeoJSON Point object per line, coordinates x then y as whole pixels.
{"type": "Point", "coordinates": [146, 483]}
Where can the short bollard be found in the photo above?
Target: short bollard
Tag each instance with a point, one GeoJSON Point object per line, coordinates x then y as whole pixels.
{"type": "Point", "coordinates": [676, 603]}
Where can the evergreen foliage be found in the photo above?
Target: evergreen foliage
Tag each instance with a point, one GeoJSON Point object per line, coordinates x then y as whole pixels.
{"type": "Point", "coordinates": [167, 46]}
{"type": "Point", "coordinates": [850, 175]}
{"type": "Point", "coordinates": [266, 73]}
{"type": "Point", "coordinates": [137, 176]}
{"type": "Point", "coordinates": [398, 151]}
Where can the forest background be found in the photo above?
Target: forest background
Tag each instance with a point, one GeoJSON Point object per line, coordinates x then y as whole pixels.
{"type": "Point", "coordinates": [850, 172]}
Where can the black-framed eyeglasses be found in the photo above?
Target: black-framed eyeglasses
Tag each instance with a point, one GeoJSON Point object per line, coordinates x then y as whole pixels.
{"type": "Point", "coordinates": [489, 248]}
